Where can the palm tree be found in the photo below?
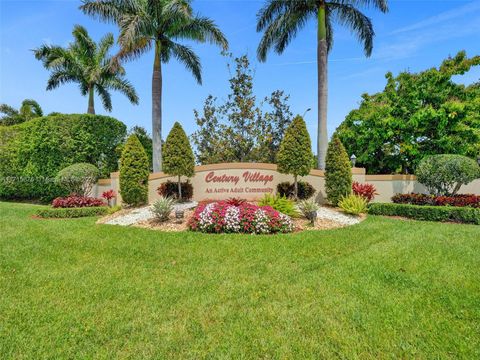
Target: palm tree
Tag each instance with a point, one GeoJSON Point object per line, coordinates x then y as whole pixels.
{"type": "Point", "coordinates": [28, 110]}
{"type": "Point", "coordinates": [157, 24]}
{"type": "Point", "coordinates": [89, 65]}
{"type": "Point", "coordinates": [282, 19]}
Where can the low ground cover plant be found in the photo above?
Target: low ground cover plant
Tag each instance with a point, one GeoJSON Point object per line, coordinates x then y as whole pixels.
{"type": "Point", "coordinates": [220, 217]}
{"type": "Point", "coordinates": [76, 201]}
{"type": "Point", "coordinates": [367, 191]}
{"type": "Point", "coordinates": [170, 189]}
{"type": "Point", "coordinates": [353, 204]}
{"type": "Point", "coordinates": [162, 208]}
{"type": "Point", "coordinates": [279, 203]}
{"type": "Point", "coordinates": [460, 200]}
{"type": "Point", "coordinates": [305, 190]}
{"type": "Point", "coordinates": [73, 212]}
{"type": "Point", "coordinates": [429, 213]}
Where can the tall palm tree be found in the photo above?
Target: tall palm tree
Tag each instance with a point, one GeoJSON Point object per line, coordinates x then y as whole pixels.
{"type": "Point", "coordinates": [89, 65]}
{"type": "Point", "coordinates": [157, 24]}
{"type": "Point", "coordinates": [282, 19]}
{"type": "Point", "coordinates": [28, 110]}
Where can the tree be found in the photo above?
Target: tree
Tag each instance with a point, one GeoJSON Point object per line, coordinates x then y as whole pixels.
{"type": "Point", "coordinates": [417, 114]}
{"type": "Point", "coordinates": [338, 172]}
{"type": "Point", "coordinates": [157, 24]}
{"type": "Point", "coordinates": [282, 19]}
{"type": "Point", "coordinates": [240, 129]}
{"type": "Point", "coordinates": [134, 171]}
{"type": "Point", "coordinates": [28, 110]}
{"type": "Point", "coordinates": [144, 138]}
{"type": "Point", "coordinates": [178, 155]}
{"type": "Point", "coordinates": [88, 64]}
{"type": "Point", "coordinates": [295, 153]}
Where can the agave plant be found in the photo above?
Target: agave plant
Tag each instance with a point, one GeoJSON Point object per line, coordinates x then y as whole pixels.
{"type": "Point", "coordinates": [162, 208]}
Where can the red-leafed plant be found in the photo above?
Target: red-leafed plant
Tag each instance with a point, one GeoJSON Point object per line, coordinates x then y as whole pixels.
{"type": "Point", "coordinates": [75, 201]}
{"type": "Point", "coordinates": [460, 200]}
{"type": "Point", "coordinates": [235, 201]}
{"type": "Point", "coordinates": [109, 195]}
{"type": "Point", "coordinates": [367, 191]}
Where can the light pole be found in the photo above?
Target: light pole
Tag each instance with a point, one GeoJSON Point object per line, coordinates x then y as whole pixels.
{"type": "Point", "coordinates": [353, 160]}
{"type": "Point", "coordinates": [303, 116]}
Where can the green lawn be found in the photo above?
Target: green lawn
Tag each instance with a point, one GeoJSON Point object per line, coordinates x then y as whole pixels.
{"type": "Point", "coordinates": [382, 289]}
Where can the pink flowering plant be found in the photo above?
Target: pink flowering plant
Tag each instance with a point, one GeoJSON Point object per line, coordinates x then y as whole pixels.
{"type": "Point", "coordinates": [225, 217]}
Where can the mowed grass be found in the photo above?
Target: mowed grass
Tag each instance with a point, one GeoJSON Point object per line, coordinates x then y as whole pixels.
{"type": "Point", "coordinates": [383, 289]}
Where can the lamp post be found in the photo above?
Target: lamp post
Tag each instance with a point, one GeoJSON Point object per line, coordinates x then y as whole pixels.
{"type": "Point", "coordinates": [303, 116]}
{"type": "Point", "coordinates": [353, 160]}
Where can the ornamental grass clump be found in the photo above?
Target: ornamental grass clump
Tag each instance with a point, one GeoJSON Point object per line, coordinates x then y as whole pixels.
{"type": "Point", "coordinates": [162, 208]}
{"type": "Point", "coordinates": [307, 207]}
{"type": "Point", "coordinates": [353, 204]}
{"type": "Point", "coordinates": [221, 217]}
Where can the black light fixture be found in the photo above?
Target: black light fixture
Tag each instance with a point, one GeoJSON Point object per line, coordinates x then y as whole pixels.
{"type": "Point", "coordinates": [353, 160]}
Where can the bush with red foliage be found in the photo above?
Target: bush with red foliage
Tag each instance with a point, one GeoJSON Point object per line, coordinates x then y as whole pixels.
{"type": "Point", "coordinates": [221, 217]}
{"type": "Point", "coordinates": [75, 201]}
{"type": "Point", "coordinates": [108, 195]}
{"type": "Point", "coordinates": [367, 191]}
{"type": "Point", "coordinates": [461, 200]}
{"type": "Point", "coordinates": [235, 201]}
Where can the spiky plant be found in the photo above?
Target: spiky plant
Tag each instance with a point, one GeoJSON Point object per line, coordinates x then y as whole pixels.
{"type": "Point", "coordinates": [281, 20]}
{"type": "Point", "coordinates": [88, 64]}
{"type": "Point", "coordinates": [28, 110]}
{"type": "Point", "coordinates": [157, 25]}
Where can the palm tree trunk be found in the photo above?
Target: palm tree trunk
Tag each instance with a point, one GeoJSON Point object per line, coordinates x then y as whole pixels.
{"type": "Point", "coordinates": [322, 55]}
{"type": "Point", "coordinates": [91, 103]}
{"type": "Point", "coordinates": [157, 110]}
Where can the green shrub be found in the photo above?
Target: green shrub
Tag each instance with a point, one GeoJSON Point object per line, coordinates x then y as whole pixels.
{"type": "Point", "coordinates": [178, 156]}
{"type": "Point", "coordinates": [32, 153]}
{"type": "Point", "coordinates": [307, 207]}
{"type": "Point", "coordinates": [59, 213]}
{"type": "Point", "coordinates": [353, 204]}
{"type": "Point", "coordinates": [305, 190]}
{"type": "Point", "coordinates": [134, 171]}
{"type": "Point", "coordinates": [445, 174]}
{"type": "Point", "coordinates": [279, 203]}
{"type": "Point", "coordinates": [295, 153]}
{"type": "Point", "coordinates": [114, 209]}
{"type": "Point", "coordinates": [428, 213]}
{"type": "Point", "coordinates": [162, 208]}
{"type": "Point", "coordinates": [338, 172]}
{"type": "Point", "coordinates": [78, 178]}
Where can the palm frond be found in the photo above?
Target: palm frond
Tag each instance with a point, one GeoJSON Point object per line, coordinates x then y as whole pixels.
{"type": "Point", "coordinates": [83, 41]}
{"type": "Point", "coordinates": [60, 77]}
{"type": "Point", "coordinates": [269, 12]}
{"type": "Point", "coordinates": [359, 23]}
{"type": "Point", "coordinates": [104, 97]}
{"type": "Point", "coordinates": [185, 55]}
{"type": "Point", "coordinates": [34, 107]}
{"type": "Point", "coordinates": [124, 86]}
{"type": "Point", "coordinates": [108, 10]}
{"type": "Point", "coordinates": [381, 5]}
{"type": "Point", "coordinates": [8, 110]}
{"type": "Point", "coordinates": [201, 29]}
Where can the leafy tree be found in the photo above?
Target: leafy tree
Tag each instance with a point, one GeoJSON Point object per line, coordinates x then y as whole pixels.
{"type": "Point", "coordinates": [445, 174]}
{"type": "Point", "coordinates": [295, 153]}
{"type": "Point", "coordinates": [282, 19]}
{"type": "Point", "coordinates": [134, 171]}
{"type": "Point", "coordinates": [240, 129]}
{"type": "Point", "coordinates": [338, 172]}
{"type": "Point", "coordinates": [88, 64]}
{"type": "Point", "coordinates": [28, 110]}
{"type": "Point", "coordinates": [145, 139]}
{"type": "Point", "coordinates": [78, 178]}
{"type": "Point", "coordinates": [159, 25]}
{"type": "Point", "coordinates": [417, 114]}
{"type": "Point", "coordinates": [178, 155]}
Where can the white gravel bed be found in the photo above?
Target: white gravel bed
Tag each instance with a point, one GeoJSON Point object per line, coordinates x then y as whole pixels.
{"type": "Point", "coordinates": [144, 213]}
{"type": "Point", "coordinates": [331, 214]}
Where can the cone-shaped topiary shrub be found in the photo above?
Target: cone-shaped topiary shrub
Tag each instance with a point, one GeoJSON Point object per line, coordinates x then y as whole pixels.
{"type": "Point", "coordinates": [338, 172]}
{"type": "Point", "coordinates": [295, 153]}
{"type": "Point", "coordinates": [178, 155]}
{"type": "Point", "coordinates": [134, 170]}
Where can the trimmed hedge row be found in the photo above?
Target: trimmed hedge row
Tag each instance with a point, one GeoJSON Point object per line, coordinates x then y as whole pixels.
{"type": "Point", "coordinates": [68, 213]}
{"type": "Point", "coordinates": [32, 153]}
{"type": "Point", "coordinates": [428, 213]}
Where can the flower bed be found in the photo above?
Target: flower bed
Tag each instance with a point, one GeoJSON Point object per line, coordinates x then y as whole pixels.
{"type": "Point", "coordinates": [461, 200]}
{"type": "Point", "coordinates": [75, 201]}
{"type": "Point", "coordinates": [225, 217]}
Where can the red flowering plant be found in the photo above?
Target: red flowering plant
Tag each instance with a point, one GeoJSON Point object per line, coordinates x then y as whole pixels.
{"type": "Point", "coordinates": [460, 200]}
{"type": "Point", "coordinates": [367, 191]}
{"type": "Point", "coordinates": [109, 195]}
{"type": "Point", "coordinates": [76, 201]}
{"type": "Point", "coordinates": [223, 217]}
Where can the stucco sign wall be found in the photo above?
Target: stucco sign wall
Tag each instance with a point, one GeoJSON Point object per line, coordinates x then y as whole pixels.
{"type": "Point", "coordinates": [248, 183]}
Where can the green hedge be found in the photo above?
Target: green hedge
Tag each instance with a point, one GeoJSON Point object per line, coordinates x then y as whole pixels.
{"type": "Point", "coordinates": [32, 153]}
{"type": "Point", "coordinates": [61, 213]}
{"type": "Point", "coordinates": [428, 213]}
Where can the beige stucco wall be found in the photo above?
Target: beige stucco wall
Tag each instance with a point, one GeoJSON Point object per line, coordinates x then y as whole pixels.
{"type": "Point", "coordinates": [387, 185]}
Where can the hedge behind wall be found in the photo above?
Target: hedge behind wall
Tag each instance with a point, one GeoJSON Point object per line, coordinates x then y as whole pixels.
{"type": "Point", "coordinates": [32, 153]}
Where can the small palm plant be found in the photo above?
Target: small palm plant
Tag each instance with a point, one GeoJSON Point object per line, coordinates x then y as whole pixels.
{"type": "Point", "coordinates": [28, 110]}
{"type": "Point", "coordinates": [158, 25]}
{"type": "Point", "coordinates": [88, 64]}
{"type": "Point", "coordinates": [162, 208]}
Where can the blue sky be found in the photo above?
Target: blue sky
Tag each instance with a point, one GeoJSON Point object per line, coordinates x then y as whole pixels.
{"type": "Point", "coordinates": [414, 35]}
